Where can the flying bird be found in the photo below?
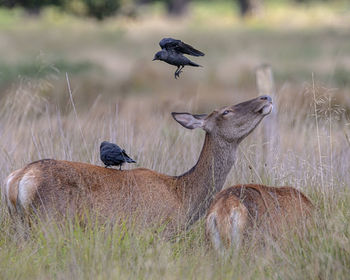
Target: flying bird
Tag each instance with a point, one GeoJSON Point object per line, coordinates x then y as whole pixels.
{"type": "Point", "coordinates": [173, 53]}
{"type": "Point", "coordinates": [111, 154]}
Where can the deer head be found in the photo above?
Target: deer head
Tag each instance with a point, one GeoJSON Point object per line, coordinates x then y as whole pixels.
{"type": "Point", "coordinates": [230, 123]}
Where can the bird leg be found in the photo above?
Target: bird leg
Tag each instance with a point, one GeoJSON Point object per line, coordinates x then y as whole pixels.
{"type": "Point", "coordinates": [120, 167]}
{"type": "Point", "coordinates": [178, 71]}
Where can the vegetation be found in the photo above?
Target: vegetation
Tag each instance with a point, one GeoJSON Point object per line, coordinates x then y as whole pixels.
{"type": "Point", "coordinates": [121, 96]}
{"type": "Point", "coordinates": [101, 9]}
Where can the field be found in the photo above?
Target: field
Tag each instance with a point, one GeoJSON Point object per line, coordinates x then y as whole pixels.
{"type": "Point", "coordinates": [120, 95]}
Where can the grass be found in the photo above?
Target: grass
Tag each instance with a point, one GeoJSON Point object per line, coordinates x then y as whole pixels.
{"type": "Point", "coordinates": [121, 96]}
{"type": "Point", "coordinates": [40, 70]}
{"type": "Point", "coordinates": [104, 252]}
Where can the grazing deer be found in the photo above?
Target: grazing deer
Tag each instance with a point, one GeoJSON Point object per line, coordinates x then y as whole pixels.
{"type": "Point", "coordinates": [242, 209]}
{"type": "Point", "coordinates": [57, 187]}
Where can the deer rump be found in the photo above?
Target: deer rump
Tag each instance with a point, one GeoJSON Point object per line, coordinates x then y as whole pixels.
{"type": "Point", "coordinates": [243, 211]}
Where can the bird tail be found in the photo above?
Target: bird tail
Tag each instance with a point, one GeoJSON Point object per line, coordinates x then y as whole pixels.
{"type": "Point", "coordinates": [194, 64]}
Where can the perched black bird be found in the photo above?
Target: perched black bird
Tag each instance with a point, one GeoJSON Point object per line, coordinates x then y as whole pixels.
{"type": "Point", "coordinates": [173, 53]}
{"type": "Point", "coordinates": [112, 154]}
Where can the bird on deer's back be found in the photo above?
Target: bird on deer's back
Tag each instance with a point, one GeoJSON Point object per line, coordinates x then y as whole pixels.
{"type": "Point", "coordinates": [112, 155]}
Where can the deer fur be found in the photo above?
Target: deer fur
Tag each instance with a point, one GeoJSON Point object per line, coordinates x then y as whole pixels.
{"type": "Point", "coordinates": [243, 210]}
{"type": "Point", "coordinates": [51, 187]}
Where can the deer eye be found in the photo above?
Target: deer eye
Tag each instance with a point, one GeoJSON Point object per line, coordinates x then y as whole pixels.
{"type": "Point", "coordinates": [225, 112]}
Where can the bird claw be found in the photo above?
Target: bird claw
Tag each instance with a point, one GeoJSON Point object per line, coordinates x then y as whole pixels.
{"type": "Point", "coordinates": [177, 74]}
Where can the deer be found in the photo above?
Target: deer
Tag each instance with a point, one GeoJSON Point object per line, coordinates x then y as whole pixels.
{"type": "Point", "coordinates": [57, 188]}
{"type": "Point", "coordinates": [238, 212]}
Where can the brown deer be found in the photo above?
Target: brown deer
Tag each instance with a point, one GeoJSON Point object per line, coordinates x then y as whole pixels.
{"type": "Point", "coordinates": [61, 188]}
{"type": "Point", "coordinates": [239, 211]}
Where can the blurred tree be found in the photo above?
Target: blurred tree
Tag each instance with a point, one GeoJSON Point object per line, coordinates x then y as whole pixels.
{"type": "Point", "coordinates": [100, 9]}
{"type": "Point", "coordinates": [32, 6]}
{"type": "Point", "coordinates": [249, 7]}
{"type": "Point", "coordinates": [176, 7]}
{"type": "Point", "coordinates": [310, 1]}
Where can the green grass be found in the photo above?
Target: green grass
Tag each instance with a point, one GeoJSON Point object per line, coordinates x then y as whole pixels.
{"type": "Point", "coordinates": [102, 252]}
{"type": "Point", "coordinates": [37, 69]}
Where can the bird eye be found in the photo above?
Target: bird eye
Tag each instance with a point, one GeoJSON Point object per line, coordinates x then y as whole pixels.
{"type": "Point", "coordinates": [225, 112]}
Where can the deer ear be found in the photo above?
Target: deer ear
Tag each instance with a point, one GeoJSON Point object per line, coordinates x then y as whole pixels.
{"type": "Point", "coordinates": [189, 121]}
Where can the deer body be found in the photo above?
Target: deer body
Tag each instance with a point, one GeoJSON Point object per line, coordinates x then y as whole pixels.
{"type": "Point", "coordinates": [50, 187]}
{"type": "Point", "coordinates": [241, 210]}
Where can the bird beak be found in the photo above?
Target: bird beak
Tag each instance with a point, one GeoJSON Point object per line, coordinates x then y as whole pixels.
{"type": "Point", "coordinates": [154, 59]}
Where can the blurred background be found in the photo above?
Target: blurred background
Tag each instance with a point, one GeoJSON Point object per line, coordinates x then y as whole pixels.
{"type": "Point", "coordinates": [107, 46]}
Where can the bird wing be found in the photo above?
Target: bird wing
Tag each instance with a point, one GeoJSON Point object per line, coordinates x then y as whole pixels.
{"type": "Point", "coordinates": [179, 46]}
{"type": "Point", "coordinates": [127, 158]}
{"type": "Point", "coordinates": [113, 156]}
{"type": "Point", "coordinates": [112, 150]}
{"type": "Point", "coordinates": [109, 146]}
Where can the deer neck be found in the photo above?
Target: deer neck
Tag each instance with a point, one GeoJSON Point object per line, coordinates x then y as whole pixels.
{"type": "Point", "coordinates": [198, 186]}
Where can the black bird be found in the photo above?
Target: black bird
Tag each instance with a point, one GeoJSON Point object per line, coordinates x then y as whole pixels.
{"type": "Point", "coordinates": [112, 154]}
{"type": "Point", "coordinates": [173, 53]}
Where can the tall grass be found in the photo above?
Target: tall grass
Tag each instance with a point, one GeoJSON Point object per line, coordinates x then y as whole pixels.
{"type": "Point", "coordinates": [315, 162]}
